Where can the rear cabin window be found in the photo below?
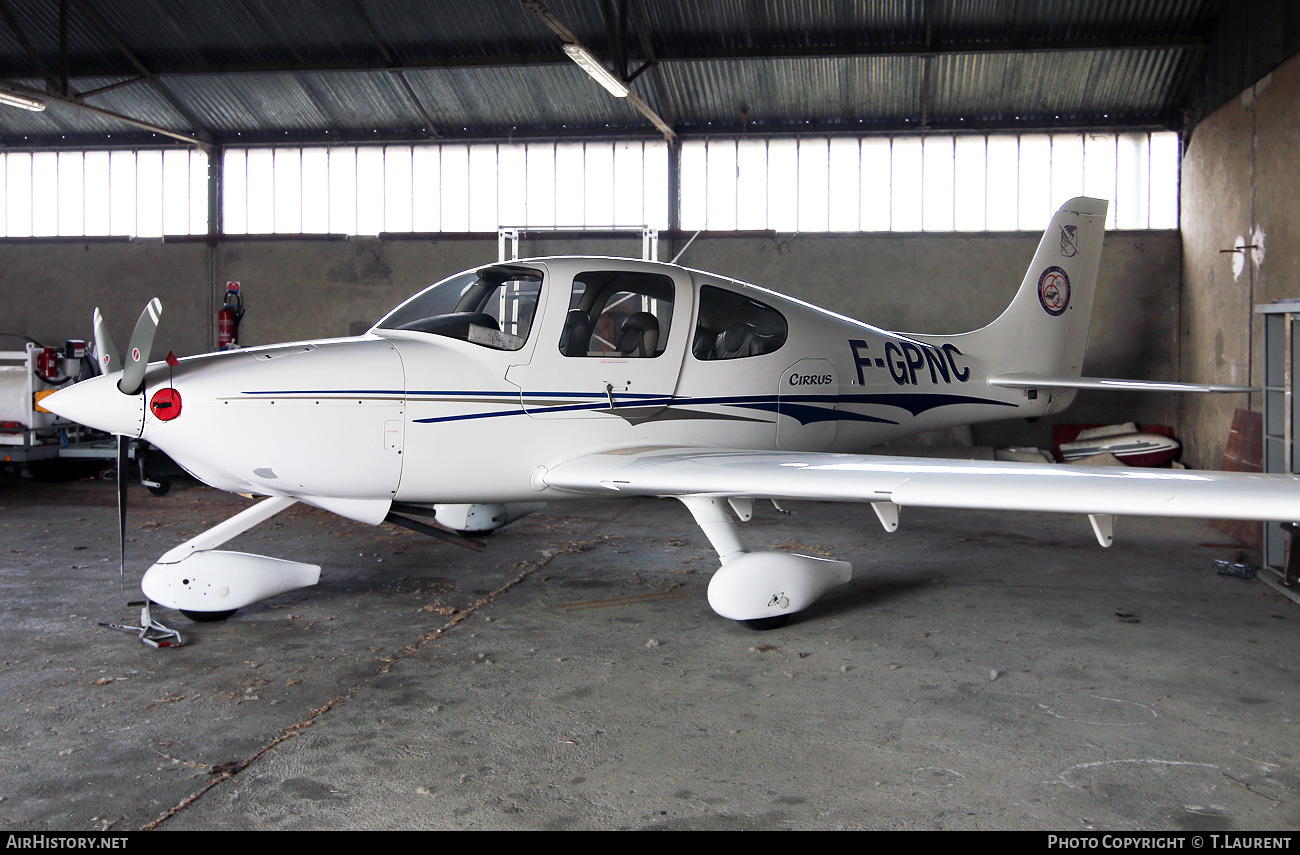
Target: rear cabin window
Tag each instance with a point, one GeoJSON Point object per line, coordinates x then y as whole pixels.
{"type": "Point", "coordinates": [618, 314]}
{"type": "Point", "coordinates": [492, 307]}
{"type": "Point", "coordinates": [734, 326]}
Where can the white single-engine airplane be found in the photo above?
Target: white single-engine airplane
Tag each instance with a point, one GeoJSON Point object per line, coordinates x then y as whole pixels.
{"type": "Point", "coordinates": [558, 378]}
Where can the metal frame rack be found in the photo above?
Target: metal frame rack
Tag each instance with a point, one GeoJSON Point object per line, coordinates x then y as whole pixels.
{"type": "Point", "coordinates": [1281, 419]}
{"type": "Point", "coordinates": [512, 234]}
{"type": "Point", "coordinates": [37, 436]}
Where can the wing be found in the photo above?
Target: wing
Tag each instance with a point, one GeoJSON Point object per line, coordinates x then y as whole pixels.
{"type": "Point", "coordinates": [928, 482]}
{"type": "Point", "coordinates": [1109, 384]}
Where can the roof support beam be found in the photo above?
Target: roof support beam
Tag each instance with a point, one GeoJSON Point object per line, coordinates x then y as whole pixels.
{"type": "Point", "coordinates": [923, 49]}
{"type": "Point", "coordinates": [525, 60]}
{"type": "Point", "coordinates": [110, 87]}
{"type": "Point", "coordinates": [12, 21]}
{"type": "Point", "coordinates": [927, 64]}
{"type": "Point", "coordinates": [642, 28]}
{"type": "Point", "coordinates": [430, 129]}
{"type": "Point", "coordinates": [75, 101]}
{"type": "Point", "coordinates": [615, 28]}
{"type": "Point", "coordinates": [60, 89]}
{"type": "Point", "coordinates": [141, 68]}
{"type": "Point", "coordinates": [567, 36]}
{"type": "Point", "coordinates": [65, 89]}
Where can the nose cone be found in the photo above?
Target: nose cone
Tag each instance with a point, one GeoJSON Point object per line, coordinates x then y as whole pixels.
{"type": "Point", "coordinates": [98, 403]}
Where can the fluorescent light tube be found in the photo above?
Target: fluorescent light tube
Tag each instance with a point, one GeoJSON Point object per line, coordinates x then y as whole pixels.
{"type": "Point", "coordinates": [600, 73]}
{"type": "Point", "coordinates": [13, 99]}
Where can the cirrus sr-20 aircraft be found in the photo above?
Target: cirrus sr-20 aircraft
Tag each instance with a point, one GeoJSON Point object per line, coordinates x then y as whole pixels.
{"type": "Point", "coordinates": [558, 378]}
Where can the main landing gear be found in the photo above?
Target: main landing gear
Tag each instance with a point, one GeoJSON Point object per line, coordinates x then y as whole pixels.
{"type": "Point", "coordinates": [760, 590]}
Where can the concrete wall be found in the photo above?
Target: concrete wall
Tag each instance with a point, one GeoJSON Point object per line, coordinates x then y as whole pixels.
{"type": "Point", "coordinates": [1240, 186]}
{"type": "Point", "coordinates": [302, 288]}
{"type": "Point", "coordinates": [48, 290]}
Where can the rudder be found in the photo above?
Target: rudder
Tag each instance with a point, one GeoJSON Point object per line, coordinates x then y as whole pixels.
{"type": "Point", "coordinates": [1045, 328]}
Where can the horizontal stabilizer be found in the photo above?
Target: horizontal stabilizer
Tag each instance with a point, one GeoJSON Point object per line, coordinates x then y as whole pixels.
{"type": "Point", "coordinates": [1039, 381]}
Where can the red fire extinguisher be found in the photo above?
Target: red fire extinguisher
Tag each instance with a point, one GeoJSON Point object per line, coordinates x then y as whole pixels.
{"type": "Point", "coordinates": [229, 317]}
{"type": "Point", "coordinates": [47, 363]}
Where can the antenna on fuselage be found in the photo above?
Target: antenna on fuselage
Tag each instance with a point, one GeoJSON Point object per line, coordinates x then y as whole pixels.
{"type": "Point", "coordinates": [688, 246]}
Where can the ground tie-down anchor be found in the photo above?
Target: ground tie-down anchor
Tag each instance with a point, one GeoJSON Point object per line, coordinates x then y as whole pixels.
{"type": "Point", "coordinates": [150, 631]}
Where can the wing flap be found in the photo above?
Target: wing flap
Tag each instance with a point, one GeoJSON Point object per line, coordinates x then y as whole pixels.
{"type": "Point", "coordinates": [929, 482]}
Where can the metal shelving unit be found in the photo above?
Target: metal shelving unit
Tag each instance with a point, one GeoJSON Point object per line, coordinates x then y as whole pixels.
{"type": "Point", "coordinates": [1281, 418]}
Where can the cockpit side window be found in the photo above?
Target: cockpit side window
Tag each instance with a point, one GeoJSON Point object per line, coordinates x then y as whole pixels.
{"type": "Point", "coordinates": [618, 314]}
{"type": "Point", "coordinates": [493, 307]}
{"type": "Point", "coordinates": [734, 326]}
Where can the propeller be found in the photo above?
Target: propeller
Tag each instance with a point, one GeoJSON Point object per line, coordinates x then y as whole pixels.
{"type": "Point", "coordinates": [131, 383]}
{"type": "Point", "coordinates": [137, 352]}
{"type": "Point", "coordinates": [105, 353]}
{"type": "Point", "coordinates": [123, 451]}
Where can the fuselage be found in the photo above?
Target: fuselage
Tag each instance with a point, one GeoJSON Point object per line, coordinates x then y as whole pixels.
{"type": "Point", "coordinates": [460, 394]}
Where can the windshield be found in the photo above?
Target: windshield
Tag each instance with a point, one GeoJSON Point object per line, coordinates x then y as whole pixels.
{"type": "Point", "coordinates": [492, 307]}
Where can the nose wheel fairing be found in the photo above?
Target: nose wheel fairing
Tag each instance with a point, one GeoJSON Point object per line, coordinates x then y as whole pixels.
{"type": "Point", "coordinates": [196, 577]}
{"type": "Point", "coordinates": [219, 581]}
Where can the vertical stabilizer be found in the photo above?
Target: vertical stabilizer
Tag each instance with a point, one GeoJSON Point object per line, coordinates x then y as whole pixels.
{"type": "Point", "coordinates": [1045, 329]}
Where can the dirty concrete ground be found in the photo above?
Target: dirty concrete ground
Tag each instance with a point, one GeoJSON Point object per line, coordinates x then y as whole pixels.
{"type": "Point", "coordinates": [982, 671]}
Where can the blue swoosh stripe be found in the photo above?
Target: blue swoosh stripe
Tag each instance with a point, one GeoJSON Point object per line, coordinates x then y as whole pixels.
{"type": "Point", "coordinates": [807, 415]}
{"type": "Point", "coordinates": [801, 407]}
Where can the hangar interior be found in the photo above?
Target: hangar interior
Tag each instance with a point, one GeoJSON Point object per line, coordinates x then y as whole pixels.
{"type": "Point", "coordinates": [895, 162]}
{"type": "Point", "coordinates": [244, 82]}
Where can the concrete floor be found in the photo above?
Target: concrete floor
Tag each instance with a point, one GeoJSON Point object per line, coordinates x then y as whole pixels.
{"type": "Point", "coordinates": [982, 671]}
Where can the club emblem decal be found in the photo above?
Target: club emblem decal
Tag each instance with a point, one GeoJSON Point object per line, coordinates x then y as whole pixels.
{"type": "Point", "coordinates": [1054, 291]}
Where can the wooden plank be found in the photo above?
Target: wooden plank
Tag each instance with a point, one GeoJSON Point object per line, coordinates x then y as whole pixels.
{"type": "Point", "coordinates": [1244, 453]}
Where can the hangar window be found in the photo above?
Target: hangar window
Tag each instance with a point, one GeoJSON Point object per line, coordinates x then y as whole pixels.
{"type": "Point", "coordinates": [146, 193]}
{"type": "Point", "coordinates": [938, 182]}
{"type": "Point", "coordinates": [444, 187]}
{"type": "Point", "coordinates": [492, 307]}
{"type": "Point", "coordinates": [618, 314]}
{"type": "Point", "coordinates": [734, 326]}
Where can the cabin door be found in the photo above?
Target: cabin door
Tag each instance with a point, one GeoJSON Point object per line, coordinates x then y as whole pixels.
{"type": "Point", "coordinates": [614, 351]}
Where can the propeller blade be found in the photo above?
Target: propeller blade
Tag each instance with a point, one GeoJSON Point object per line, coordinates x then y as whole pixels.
{"type": "Point", "coordinates": [122, 463]}
{"type": "Point", "coordinates": [136, 359]}
{"type": "Point", "coordinates": [105, 352]}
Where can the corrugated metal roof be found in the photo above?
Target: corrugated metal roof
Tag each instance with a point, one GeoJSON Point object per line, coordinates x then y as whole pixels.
{"type": "Point", "coordinates": [235, 71]}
